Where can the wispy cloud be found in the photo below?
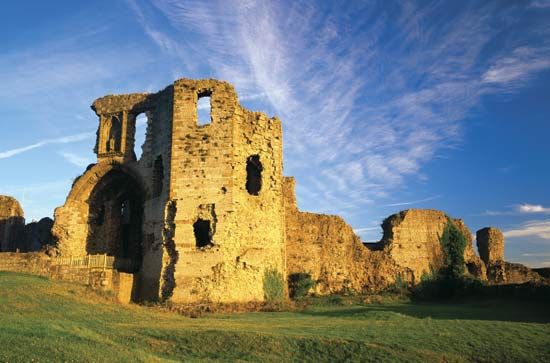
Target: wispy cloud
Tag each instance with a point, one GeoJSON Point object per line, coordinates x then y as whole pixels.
{"type": "Point", "coordinates": [513, 70]}
{"type": "Point", "coordinates": [64, 64]}
{"type": "Point", "coordinates": [366, 229]}
{"type": "Point", "coordinates": [518, 209]}
{"type": "Point", "coordinates": [533, 208]}
{"type": "Point", "coordinates": [539, 229]}
{"type": "Point", "coordinates": [540, 254]}
{"type": "Point", "coordinates": [76, 159]}
{"type": "Point", "coordinates": [364, 100]}
{"type": "Point", "coordinates": [61, 140]}
{"type": "Point", "coordinates": [411, 202]}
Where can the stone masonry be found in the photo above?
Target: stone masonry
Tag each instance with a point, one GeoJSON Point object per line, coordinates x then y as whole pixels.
{"type": "Point", "coordinates": [412, 239]}
{"type": "Point", "coordinates": [326, 247]}
{"type": "Point", "coordinates": [200, 214]}
{"type": "Point", "coordinates": [205, 214]}
{"type": "Point", "coordinates": [490, 244]}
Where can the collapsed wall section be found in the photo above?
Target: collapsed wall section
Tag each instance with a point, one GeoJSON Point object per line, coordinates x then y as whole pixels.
{"type": "Point", "coordinates": [490, 244]}
{"type": "Point", "coordinates": [412, 239]}
{"type": "Point", "coordinates": [326, 247]}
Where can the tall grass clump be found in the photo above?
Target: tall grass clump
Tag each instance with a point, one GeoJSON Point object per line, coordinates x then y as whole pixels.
{"type": "Point", "coordinates": [274, 289]}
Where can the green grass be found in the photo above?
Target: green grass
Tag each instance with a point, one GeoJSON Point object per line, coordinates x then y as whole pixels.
{"type": "Point", "coordinates": [43, 320]}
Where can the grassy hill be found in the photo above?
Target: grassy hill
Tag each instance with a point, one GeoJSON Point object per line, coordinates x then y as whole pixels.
{"type": "Point", "coordinates": [43, 320]}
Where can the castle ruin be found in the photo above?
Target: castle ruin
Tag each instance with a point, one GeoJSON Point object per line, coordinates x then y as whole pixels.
{"type": "Point", "coordinates": [205, 214]}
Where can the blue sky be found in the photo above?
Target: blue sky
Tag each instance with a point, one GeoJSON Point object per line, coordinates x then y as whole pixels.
{"type": "Point", "coordinates": [385, 105]}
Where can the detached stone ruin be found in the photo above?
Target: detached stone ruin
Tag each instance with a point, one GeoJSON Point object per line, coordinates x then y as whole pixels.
{"type": "Point", "coordinates": [205, 213]}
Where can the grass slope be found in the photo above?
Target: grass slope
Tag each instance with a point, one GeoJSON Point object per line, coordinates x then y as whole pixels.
{"type": "Point", "coordinates": [43, 320]}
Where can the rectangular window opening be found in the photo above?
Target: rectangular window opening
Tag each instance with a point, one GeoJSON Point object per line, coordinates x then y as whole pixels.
{"type": "Point", "coordinates": [204, 109]}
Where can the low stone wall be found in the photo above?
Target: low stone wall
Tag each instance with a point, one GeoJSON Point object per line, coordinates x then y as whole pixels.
{"type": "Point", "coordinates": [36, 263]}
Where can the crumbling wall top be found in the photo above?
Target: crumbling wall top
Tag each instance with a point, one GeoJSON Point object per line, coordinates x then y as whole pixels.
{"type": "Point", "coordinates": [10, 207]}
{"type": "Point", "coordinates": [490, 244]}
{"type": "Point", "coordinates": [136, 102]}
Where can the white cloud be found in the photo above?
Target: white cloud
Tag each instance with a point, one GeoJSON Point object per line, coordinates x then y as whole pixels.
{"type": "Point", "coordinates": [532, 208]}
{"type": "Point", "coordinates": [539, 229]}
{"type": "Point", "coordinates": [61, 140]}
{"type": "Point", "coordinates": [513, 70]}
{"type": "Point", "coordinates": [367, 110]}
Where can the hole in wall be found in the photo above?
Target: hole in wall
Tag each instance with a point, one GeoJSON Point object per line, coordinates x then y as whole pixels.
{"type": "Point", "coordinates": [139, 139]}
{"type": "Point", "coordinates": [204, 108]}
{"type": "Point", "coordinates": [203, 233]}
{"type": "Point", "coordinates": [254, 175]}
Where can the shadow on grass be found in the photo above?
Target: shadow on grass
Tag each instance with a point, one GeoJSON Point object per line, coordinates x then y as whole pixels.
{"type": "Point", "coordinates": [495, 310]}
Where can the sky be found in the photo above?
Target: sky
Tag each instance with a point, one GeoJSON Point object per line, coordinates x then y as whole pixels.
{"type": "Point", "coordinates": [385, 105]}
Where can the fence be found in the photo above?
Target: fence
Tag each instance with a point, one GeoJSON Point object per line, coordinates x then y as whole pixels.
{"type": "Point", "coordinates": [94, 261]}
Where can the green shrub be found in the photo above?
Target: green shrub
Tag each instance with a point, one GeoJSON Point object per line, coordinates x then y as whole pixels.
{"type": "Point", "coordinates": [450, 281]}
{"type": "Point", "coordinates": [274, 289]}
{"type": "Point", "coordinates": [453, 244]}
{"type": "Point", "coordinates": [299, 285]}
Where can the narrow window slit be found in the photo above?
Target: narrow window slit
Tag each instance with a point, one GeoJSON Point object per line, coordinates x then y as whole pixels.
{"type": "Point", "coordinates": [158, 176]}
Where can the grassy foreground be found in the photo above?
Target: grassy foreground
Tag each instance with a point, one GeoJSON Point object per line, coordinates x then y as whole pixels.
{"type": "Point", "coordinates": [43, 320]}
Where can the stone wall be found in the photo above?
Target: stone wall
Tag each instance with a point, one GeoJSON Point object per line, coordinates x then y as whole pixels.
{"type": "Point", "coordinates": [37, 263]}
{"type": "Point", "coordinates": [412, 239]}
{"type": "Point", "coordinates": [12, 222]}
{"type": "Point", "coordinates": [190, 184]}
{"type": "Point", "coordinates": [327, 248]}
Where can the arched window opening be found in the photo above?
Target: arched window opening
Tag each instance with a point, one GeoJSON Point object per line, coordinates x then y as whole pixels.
{"type": "Point", "coordinates": [254, 175]}
{"type": "Point", "coordinates": [158, 176]}
{"type": "Point", "coordinates": [114, 130]}
{"type": "Point", "coordinates": [140, 135]}
{"type": "Point", "coordinates": [203, 233]}
{"type": "Point", "coordinates": [204, 108]}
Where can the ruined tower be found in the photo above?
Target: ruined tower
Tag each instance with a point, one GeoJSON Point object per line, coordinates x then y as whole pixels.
{"type": "Point", "coordinates": [199, 216]}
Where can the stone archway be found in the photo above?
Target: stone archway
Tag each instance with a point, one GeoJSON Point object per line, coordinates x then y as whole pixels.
{"type": "Point", "coordinates": [115, 219]}
{"type": "Point", "coordinates": [75, 229]}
